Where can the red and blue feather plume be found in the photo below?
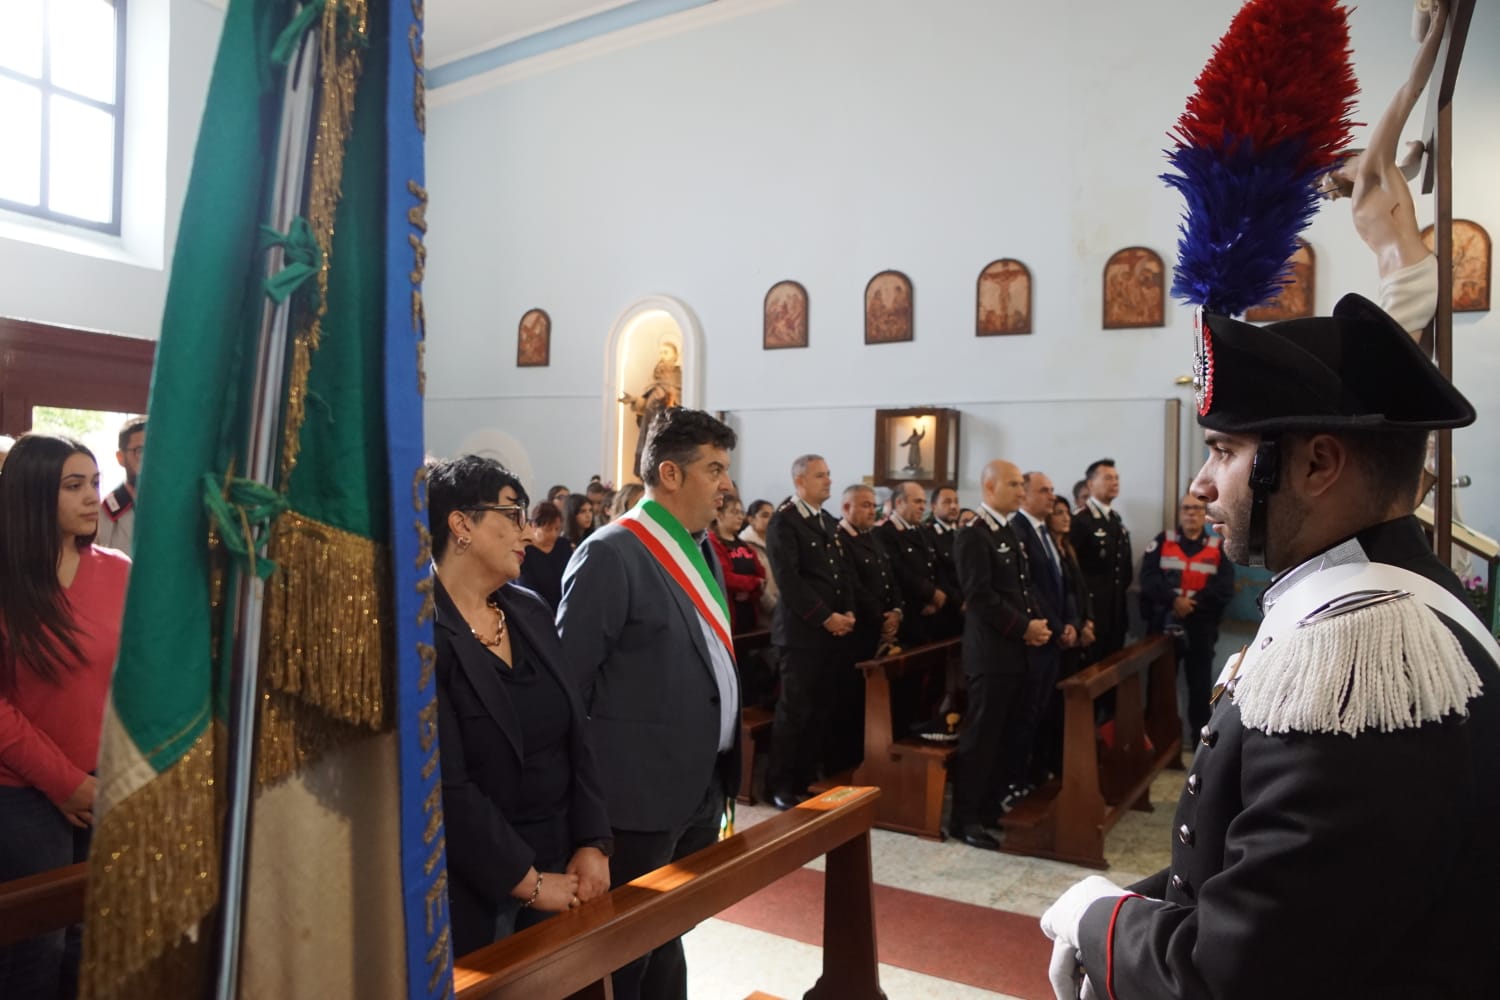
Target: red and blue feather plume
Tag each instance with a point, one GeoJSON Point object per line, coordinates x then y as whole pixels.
{"type": "Point", "coordinates": [1269, 118]}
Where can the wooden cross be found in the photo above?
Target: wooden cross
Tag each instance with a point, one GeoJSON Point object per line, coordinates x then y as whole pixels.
{"type": "Point", "coordinates": [1437, 135]}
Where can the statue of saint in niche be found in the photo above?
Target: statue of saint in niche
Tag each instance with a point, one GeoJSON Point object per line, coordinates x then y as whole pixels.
{"type": "Point", "coordinates": [663, 392]}
{"type": "Point", "coordinates": [913, 445]}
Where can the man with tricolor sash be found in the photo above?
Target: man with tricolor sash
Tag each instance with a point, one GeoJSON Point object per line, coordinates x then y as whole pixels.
{"type": "Point", "coordinates": [645, 625]}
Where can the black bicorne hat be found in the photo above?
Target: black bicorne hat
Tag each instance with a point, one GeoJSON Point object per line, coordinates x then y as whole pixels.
{"type": "Point", "coordinates": [1355, 369]}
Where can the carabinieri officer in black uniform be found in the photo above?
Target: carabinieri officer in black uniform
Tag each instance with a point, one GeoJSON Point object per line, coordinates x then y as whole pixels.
{"type": "Point", "coordinates": [1337, 833]}
{"type": "Point", "coordinates": [813, 626]}
{"type": "Point", "coordinates": [1102, 544]}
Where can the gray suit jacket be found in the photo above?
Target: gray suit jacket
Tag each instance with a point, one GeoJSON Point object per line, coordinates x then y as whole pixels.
{"type": "Point", "coordinates": [636, 652]}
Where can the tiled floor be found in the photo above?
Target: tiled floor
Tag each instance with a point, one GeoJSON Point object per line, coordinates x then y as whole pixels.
{"type": "Point", "coordinates": [728, 962]}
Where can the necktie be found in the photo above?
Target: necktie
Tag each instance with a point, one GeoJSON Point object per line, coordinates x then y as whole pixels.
{"type": "Point", "coordinates": [1051, 551]}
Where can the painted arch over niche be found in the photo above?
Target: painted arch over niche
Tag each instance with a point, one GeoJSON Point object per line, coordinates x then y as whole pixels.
{"type": "Point", "coordinates": [654, 357]}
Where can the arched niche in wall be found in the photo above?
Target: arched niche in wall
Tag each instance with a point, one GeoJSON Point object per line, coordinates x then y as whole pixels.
{"type": "Point", "coordinates": [654, 358]}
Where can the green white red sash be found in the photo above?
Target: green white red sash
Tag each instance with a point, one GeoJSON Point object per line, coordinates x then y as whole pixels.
{"type": "Point", "coordinates": [670, 544]}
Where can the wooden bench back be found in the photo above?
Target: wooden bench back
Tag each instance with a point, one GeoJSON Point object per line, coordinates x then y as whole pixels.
{"type": "Point", "coordinates": [574, 950]}
{"type": "Point", "coordinates": [904, 689]}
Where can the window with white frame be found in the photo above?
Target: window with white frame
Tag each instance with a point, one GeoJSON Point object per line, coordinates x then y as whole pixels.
{"type": "Point", "coordinates": [62, 106]}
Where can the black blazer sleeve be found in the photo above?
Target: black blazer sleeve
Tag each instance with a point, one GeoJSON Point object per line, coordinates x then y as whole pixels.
{"type": "Point", "coordinates": [587, 818]}
{"type": "Point", "coordinates": [595, 605]}
{"type": "Point", "coordinates": [484, 851]}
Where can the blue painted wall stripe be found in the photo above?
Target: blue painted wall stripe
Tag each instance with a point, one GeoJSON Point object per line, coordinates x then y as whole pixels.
{"type": "Point", "coordinates": [616, 19]}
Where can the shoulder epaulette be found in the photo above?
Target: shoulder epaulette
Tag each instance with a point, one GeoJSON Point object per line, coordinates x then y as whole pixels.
{"type": "Point", "coordinates": [1370, 660]}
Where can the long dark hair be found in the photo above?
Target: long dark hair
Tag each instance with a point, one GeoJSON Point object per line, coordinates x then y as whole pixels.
{"type": "Point", "coordinates": [36, 621]}
{"type": "Point", "coordinates": [570, 517]}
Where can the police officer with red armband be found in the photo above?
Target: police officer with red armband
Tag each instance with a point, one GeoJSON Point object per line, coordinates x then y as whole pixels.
{"type": "Point", "coordinates": [1186, 583]}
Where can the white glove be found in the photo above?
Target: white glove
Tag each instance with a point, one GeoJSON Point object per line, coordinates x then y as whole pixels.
{"type": "Point", "coordinates": [1060, 922]}
{"type": "Point", "coordinates": [1065, 974]}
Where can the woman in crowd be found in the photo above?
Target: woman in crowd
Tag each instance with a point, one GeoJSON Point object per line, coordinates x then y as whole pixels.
{"type": "Point", "coordinates": [61, 601]}
{"type": "Point", "coordinates": [547, 555]}
{"type": "Point", "coordinates": [1059, 523]}
{"type": "Point", "coordinates": [578, 518]}
{"type": "Point", "coordinates": [522, 807]}
{"type": "Point", "coordinates": [754, 533]}
{"type": "Point", "coordinates": [744, 577]}
{"type": "Point", "coordinates": [626, 497]}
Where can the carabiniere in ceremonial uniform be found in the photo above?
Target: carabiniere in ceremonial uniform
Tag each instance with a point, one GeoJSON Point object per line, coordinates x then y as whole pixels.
{"type": "Point", "coordinates": [1337, 834]}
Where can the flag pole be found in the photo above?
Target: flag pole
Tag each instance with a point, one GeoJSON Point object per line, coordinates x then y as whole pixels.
{"type": "Point", "coordinates": [298, 119]}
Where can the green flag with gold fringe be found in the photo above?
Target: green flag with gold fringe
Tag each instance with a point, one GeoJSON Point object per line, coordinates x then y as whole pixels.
{"type": "Point", "coordinates": [329, 907]}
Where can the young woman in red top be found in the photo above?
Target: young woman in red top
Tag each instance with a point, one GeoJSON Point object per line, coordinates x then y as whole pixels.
{"type": "Point", "coordinates": [61, 601]}
{"type": "Point", "coordinates": [743, 574]}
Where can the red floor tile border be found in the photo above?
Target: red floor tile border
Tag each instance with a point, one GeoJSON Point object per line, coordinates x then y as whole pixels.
{"type": "Point", "coordinates": [974, 945]}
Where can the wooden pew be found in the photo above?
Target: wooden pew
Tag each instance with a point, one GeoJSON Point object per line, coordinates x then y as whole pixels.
{"type": "Point", "coordinates": [572, 954]}
{"type": "Point", "coordinates": [910, 772]}
{"type": "Point", "coordinates": [1068, 822]}
{"type": "Point", "coordinates": [755, 722]}
{"type": "Point", "coordinates": [40, 903]}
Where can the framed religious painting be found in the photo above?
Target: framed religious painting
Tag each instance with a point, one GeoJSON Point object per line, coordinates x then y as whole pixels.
{"type": "Point", "coordinates": [534, 340]}
{"type": "Point", "coordinates": [920, 444]}
{"type": "Point", "coordinates": [1296, 298]}
{"type": "Point", "coordinates": [1471, 265]}
{"type": "Point", "coordinates": [888, 308]}
{"type": "Point", "coordinates": [1003, 299]}
{"type": "Point", "coordinates": [1135, 290]}
{"type": "Point", "coordinates": [785, 316]}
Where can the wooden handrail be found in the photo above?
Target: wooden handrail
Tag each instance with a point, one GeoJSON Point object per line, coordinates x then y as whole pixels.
{"type": "Point", "coordinates": [1110, 671]}
{"type": "Point", "coordinates": [42, 903]}
{"type": "Point", "coordinates": [569, 954]}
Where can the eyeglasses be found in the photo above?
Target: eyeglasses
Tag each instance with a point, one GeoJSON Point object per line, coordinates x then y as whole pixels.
{"type": "Point", "coordinates": [514, 511]}
{"type": "Point", "coordinates": [136, 451]}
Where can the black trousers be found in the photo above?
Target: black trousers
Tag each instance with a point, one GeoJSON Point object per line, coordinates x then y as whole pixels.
{"type": "Point", "coordinates": [662, 974]}
{"type": "Point", "coordinates": [812, 683]}
{"type": "Point", "coordinates": [1042, 666]}
{"type": "Point", "coordinates": [977, 790]}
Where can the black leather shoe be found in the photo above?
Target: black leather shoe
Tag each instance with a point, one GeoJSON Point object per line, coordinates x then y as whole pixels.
{"type": "Point", "coordinates": [788, 800]}
{"type": "Point", "coordinates": [974, 836]}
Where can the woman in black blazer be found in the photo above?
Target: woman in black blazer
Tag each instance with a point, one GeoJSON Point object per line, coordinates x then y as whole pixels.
{"type": "Point", "coordinates": [523, 812]}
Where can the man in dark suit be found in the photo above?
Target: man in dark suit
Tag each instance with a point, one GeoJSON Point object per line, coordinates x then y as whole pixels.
{"type": "Point", "coordinates": [644, 626]}
{"type": "Point", "coordinates": [877, 619]}
{"type": "Point", "coordinates": [914, 558]}
{"type": "Point", "coordinates": [998, 626]}
{"type": "Point", "coordinates": [948, 623]}
{"type": "Point", "coordinates": [813, 627]}
{"type": "Point", "coordinates": [1102, 544]}
{"type": "Point", "coordinates": [1055, 602]}
{"type": "Point", "coordinates": [1336, 832]}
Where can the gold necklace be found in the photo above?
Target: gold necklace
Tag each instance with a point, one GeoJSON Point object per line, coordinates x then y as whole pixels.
{"type": "Point", "coordinates": [499, 626]}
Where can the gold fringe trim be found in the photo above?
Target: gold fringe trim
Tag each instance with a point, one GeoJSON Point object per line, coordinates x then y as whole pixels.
{"type": "Point", "coordinates": [294, 735]}
{"type": "Point", "coordinates": [326, 635]}
{"type": "Point", "coordinates": [153, 878]}
{"type": "Point", "coordinates": [344, 32]}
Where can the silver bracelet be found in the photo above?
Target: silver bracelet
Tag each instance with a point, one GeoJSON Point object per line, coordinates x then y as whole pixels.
{"type": "Point", "coordinates": [536, 891]}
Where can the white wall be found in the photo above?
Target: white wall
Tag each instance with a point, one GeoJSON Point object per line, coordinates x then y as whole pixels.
{"type": "Point", "coordinates": [123, 291]}
{"type": "Point", "coordinates": [824, 140]}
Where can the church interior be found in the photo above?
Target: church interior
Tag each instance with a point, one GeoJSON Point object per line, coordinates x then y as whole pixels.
{"type": "Point", "coordinates": [620, 191]}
